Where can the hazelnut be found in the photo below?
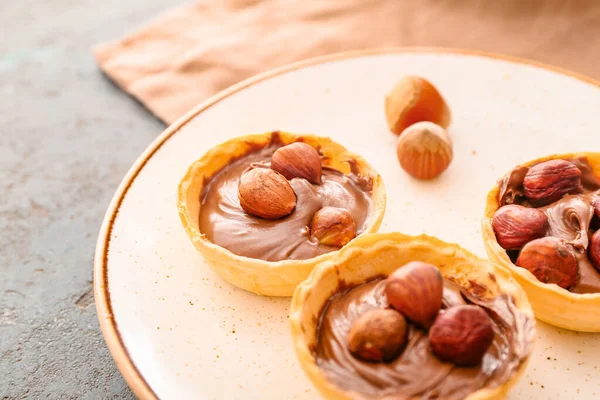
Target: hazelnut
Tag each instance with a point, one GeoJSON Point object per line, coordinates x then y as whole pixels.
{"type": "Point", "coordinates": [596, 207]}
{"type": "Point", "coordinates": [378, 335]}
{"type": "Point", "coordinates": [549, 181]}
{"type": "Point", "coordinates": [414, 99]}
{"type": "Point", "coordinates": [516, 225]}
{"type": "Point", "coordinates": [461, 335]}
{"type": "Point", "coordinates": [266, 194]}
{"type": "Point", "coordinates": [424, 150]}
{"type": "Point", "coordinates": [298, 160]}
{"type": "Point", "coordinates": [595, 222]}
{"type": "Point", "coordinates": [550, 260]}
{"type": "Point", "coordinates": [416, 290]}
{"type": "Point", "coordinates": [594, 250]}
{"type": "Point", "coordinates": [333, 226]}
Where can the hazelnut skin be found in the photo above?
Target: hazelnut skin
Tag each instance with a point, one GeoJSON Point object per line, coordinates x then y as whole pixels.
{"type": "Point", "coordinates": [461, 335]}
{"type": "Point", "coordinates": [594, 250]}
{"type": "Point", "coordinates": [298, 160]}
{"type": "Point", "coordinates": [596, 207]}
{"type": "Point", "coordinates": [379, 335]}
{"type": "Point", "coordinates": [265, 193]}
{"type": "Point", "coordinates": [414, 99]}
{"type": "Point", "coordinates": [516, 225]}
{"type": "Point", "coordinates": [424, 150]}
{"type": "Point", "coordinates": [550, 260]}
{"type": "Point", "coordinates": [333, 226]}
{"type": "Point", "coordinates": [595, 222]}
{"type": "Point", "coordinates": [416, 290]}
{"type": "Point", "coordinates": [549, 181]}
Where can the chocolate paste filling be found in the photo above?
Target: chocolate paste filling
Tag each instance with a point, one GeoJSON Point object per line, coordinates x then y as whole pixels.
{"type": "Point", "coordinates": [569, 218]}
{"type": "Point", "coordinates": [417, 373]}
{"type": "Point", "coordinates": [226, 224]}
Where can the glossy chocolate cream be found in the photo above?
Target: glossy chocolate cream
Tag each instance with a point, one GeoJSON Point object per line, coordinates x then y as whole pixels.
{"type": "Point", "coordinates": [568, 218]}
{"type": "Point", "coordinates": [417, 373]}
{"type": "Point", "coordinates": [226, 224]}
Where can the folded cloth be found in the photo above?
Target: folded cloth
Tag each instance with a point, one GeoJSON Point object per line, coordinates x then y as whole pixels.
{"type": "Point", "coordinates": [194, 51]}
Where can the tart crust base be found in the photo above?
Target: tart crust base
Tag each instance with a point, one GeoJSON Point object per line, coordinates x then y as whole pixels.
{"type": "Point", "coordinates": [551, 304]}
{"type": "Point", "coordinates": [379, 255]}
{"type": "Point", "coordinates": [270, 278]}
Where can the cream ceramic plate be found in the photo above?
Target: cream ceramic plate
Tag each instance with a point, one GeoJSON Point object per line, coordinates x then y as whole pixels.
{"type": "Point", "coordinates": [177, 331]}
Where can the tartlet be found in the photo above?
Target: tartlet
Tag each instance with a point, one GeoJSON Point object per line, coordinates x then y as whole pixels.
{"type": "Point", "coordinates": [376, 256]}
{"type": "Point", "coordinates": [551, 303]}
{"type": "Point", "coordinates": [271, 278]}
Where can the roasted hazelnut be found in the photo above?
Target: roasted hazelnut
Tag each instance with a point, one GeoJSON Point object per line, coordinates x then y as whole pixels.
{"type": "Point", "coordinates": [298, 160]}
{"type": "Point", "coordinates": [333, 226]}
{"type": "Point", "coordinates": [416, 290]}
{"type": "Point", "coordinates": [414, 99]}
{"type": "Point", "coordinates": [461, 335]}
{"type": "Point", "coordinates": [596, 207]}
{"type": "Point", "coordinates": [424, 150]}
{"type": "Point", "coordinates": [550, 260]}
{"type": "Point", "coordinates": [549, 181]}
{"type": "Point", "coordinates": [594, 250]}
{"type": "Point", "coordinates": [266, 194]}
{"type": "Point", "coordinates": [379, 335]}
{"type": "Point", "coordinates": [516, 225]}
{"type": "Point", "coordinates": [595, 222]}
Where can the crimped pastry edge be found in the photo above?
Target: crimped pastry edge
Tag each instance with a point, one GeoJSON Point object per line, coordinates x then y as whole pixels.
{"type": "Point", "coordinates": [551, 303]}
{"type": "Point", "coordinates": [380, 254]}
{"type": "Point", "coordinates": [269, 278]}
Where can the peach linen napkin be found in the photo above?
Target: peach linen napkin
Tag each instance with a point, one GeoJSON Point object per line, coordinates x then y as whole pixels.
{"type": "Point", "coordinates": [196, 50]}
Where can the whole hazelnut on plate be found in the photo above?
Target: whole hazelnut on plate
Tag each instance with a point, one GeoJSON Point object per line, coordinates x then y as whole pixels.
{"type": "Point", "coordinates": [379, 335]}
{"type": "Point", "coordinates": [549, 181]}
{"type": "Point", "coordinates": [414, 99]}
{"type": "Point", "coordinates": [516, 225]}
{"type": "Point", "coordinates": [594, 250]}
{"type": "Point", "coordinates": [333, 226]}
{"type": "Point", "coordinates": [424, 150]}
{"type": "Point", "coordinates": [550, 260]}
{"type": "Point", "coordinates": [461, 335]}
{"type": "Point", "coordinates": [266, 194]}
{"type": "Point", "coordinates": [298, 160]}
{"type": "Point", "coordinates": [416, 290]}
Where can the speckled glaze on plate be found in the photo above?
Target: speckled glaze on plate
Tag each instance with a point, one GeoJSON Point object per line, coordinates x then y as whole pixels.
{"type": "Point", "coordinates": [177, 331]}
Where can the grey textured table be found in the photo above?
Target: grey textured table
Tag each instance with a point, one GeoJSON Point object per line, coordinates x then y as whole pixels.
{"type": "Point", "coordinates": [67, 137]}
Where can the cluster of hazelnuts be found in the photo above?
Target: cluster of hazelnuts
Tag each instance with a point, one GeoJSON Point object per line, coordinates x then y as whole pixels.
{"type": "Point", "coordinates": [460, 334]}
{"type": "Point", "coordinates": [416, 112]}
{"type": "Point", "coordinates": [524, 229]}
{"type": "Point", "coordinates": [265, 192]}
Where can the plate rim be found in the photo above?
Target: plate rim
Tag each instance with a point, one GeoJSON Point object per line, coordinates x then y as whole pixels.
{"type": "Point", "coordinates": [104, 309]}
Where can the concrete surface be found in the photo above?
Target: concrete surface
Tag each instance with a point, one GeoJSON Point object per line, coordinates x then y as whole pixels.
{"type": "Point", "coordinates": [67, 137]}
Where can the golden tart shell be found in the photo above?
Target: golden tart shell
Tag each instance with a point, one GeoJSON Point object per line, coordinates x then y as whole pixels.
{"type": "Point", "coordinates": [380, 254]}
{"type": "Point", "coordinates": [551, 303]}
{"type": "Point", "coordinates": [270, 278]}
